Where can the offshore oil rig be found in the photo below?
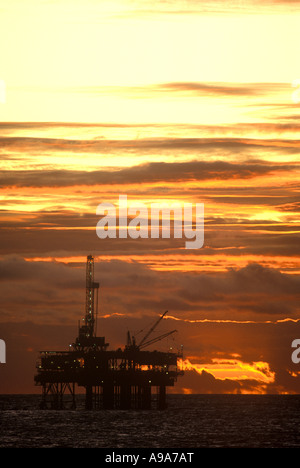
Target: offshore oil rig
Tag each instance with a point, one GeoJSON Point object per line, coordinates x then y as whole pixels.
{"type": "Point", "coordinates": [120, 379]}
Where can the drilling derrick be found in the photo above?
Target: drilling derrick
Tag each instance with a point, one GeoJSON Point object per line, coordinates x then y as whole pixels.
{"type": "Point", "coordinates": [90, 298]}
{"type": "Point", "coordinates": [87, 338]}
{"type": "Point", "coordinates": [119, 379]}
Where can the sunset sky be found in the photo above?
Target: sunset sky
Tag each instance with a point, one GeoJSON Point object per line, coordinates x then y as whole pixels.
{"type": "Point", "coordinates": [165, 102]}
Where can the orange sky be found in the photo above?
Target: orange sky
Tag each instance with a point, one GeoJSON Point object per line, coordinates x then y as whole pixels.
{"type": "Point", "coordinates": [185, 102]}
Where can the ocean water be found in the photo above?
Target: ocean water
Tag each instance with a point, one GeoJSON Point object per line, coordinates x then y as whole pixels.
{"type": "Point", "coordinates": [190, 421]}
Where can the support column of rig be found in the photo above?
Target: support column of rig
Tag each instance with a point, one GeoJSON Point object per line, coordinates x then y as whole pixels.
{"type": "Point", "coordinates": [57, 390]}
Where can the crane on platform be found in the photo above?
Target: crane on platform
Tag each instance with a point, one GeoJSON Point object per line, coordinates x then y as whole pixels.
{"type": "Point", "coordinates": [131, 342]}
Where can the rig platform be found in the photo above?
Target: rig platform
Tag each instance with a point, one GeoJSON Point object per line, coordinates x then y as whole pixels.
{"type": "Point", "coordinates": [117, 379]}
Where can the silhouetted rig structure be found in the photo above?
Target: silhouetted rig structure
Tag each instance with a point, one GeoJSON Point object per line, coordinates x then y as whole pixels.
{"type": "Point", "coordinates": [121, 379]}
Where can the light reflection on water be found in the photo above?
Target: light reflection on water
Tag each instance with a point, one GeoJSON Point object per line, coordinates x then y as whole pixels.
{"type": "Point", "coordinates": [190, 421]}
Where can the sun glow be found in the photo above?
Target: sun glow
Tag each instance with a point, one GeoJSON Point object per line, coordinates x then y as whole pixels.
{"type": "Point", "coordinates": [232, 369]}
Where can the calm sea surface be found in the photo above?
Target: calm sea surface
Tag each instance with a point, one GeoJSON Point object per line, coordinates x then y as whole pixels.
{"type": "Point", "coordinates": [191, 421]}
